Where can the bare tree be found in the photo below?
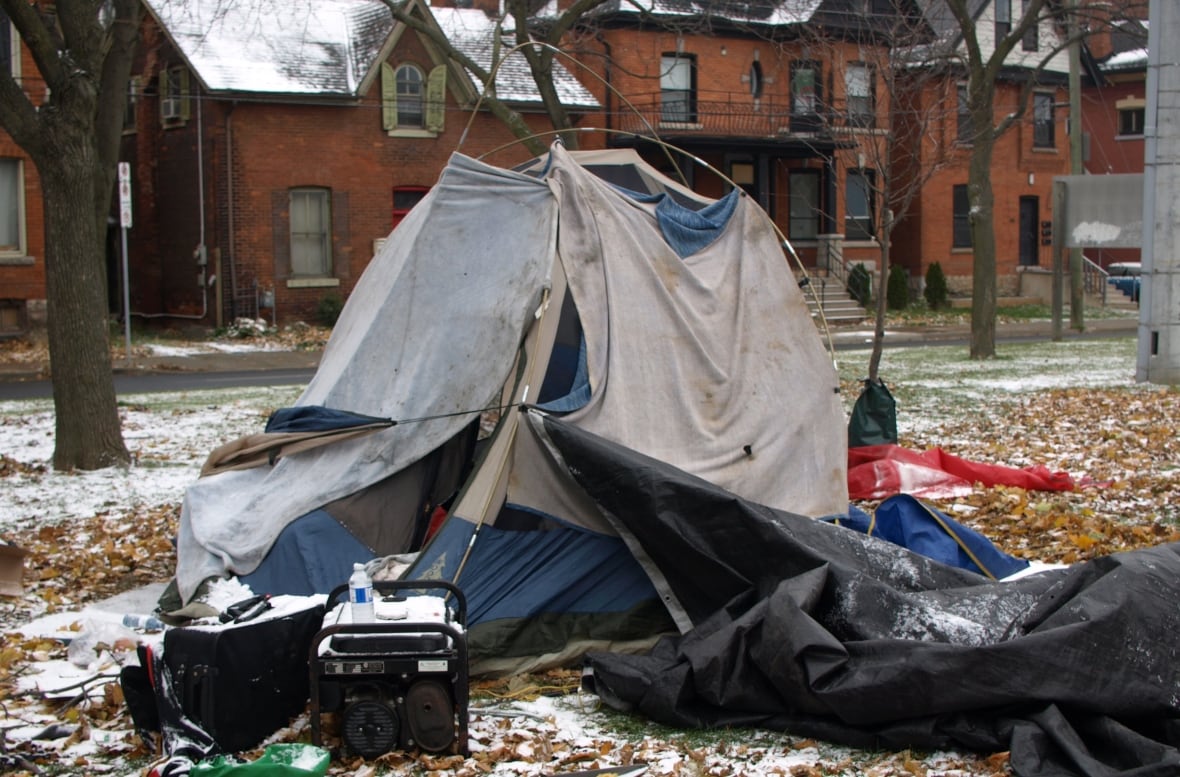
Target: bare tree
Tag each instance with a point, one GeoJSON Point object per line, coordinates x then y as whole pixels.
{"type": "Point", "coordinates": [984, 68]}
{"type": "Point", "coordinates": [879, 110]}
{"type": "Point", "coordinates": [70, 127]}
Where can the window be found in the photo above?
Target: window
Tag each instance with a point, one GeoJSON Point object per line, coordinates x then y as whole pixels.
{"type": "Point", "coordinates": [133, 90]}
{"type": "Point", "coordinates": [12, 316]}
{"type": "Point", "coordinates": [1131, 121]}
{"type": "Point", "coordinates": [311, 228]}
{"type": "Point", "coordinates": [961, 208]}
{"type": "Point", "coordinates": [1043, 121]}
{"type": "Point", "coordinates": [805, 95]}
{"type": "Point", "coordinates": [413, 103]}
{"type": "Point", "coordinates": [404, 199]}
{"type": "Point", "coordinates": [1030, 40]}
{"type": "Point", "coordinates": [744, 174]}
{"type": "Point", "coordinates": [1003, 18]}
{"type": "Point", "coordinates": [804, 195]}
{"type": "Point", "coordinates": [755, 79]}
{"type": "Point", "coordinates": [409, 96]}
{"type": "Point", "coordinates": [858, 88]}
{"type": "Point", "coordinates": [12, 220]}
{"type": "Point", "coordinates": [8, 46]}
{"type": "Point", "coordinates": [678, 100]}
{"type": "Point", "coordinates": [174, 96]}
{"type": "Point", "coordinates": [858, 205]}
{"type": "Point", "coordinates": [966, 132]}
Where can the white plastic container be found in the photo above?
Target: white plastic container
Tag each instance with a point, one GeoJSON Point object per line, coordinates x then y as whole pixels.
{"type": "Point", "coordinates": [360, 595]}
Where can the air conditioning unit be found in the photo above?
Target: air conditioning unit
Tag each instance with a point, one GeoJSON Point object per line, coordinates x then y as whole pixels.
{"type": "Point", "coordinates": [170, 108]}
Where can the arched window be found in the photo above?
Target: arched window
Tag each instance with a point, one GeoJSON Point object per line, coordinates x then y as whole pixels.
{"type": "Point", "coordinates": [409, 96]}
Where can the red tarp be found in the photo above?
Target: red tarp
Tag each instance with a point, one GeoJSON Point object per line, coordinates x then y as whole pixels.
{"type": "Point", "coordinates": [879, 471]}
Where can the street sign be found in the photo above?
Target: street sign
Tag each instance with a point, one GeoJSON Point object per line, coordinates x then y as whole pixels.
{"type": "Point", "coordinates": [125, 195]}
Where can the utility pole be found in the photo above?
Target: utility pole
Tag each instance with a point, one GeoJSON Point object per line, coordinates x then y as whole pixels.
{"type": "Point", "coordinates": [1077, 291]}
{"type": "Point", "coordinates": [1158, 359]}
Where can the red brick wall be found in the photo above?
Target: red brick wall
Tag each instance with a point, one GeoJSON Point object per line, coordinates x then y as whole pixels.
{"type": "Point", "coordinates": [22, 283]}
{"type": "Point", "coordinates": [1018, 170]}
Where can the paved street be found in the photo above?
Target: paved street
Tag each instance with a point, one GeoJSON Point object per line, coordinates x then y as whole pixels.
{"type": "Point", "coordinates": [275, 368]}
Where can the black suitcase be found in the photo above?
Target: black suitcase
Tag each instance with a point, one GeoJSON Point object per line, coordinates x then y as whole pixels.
{"type": "Point", "coordinates": [241, 682]}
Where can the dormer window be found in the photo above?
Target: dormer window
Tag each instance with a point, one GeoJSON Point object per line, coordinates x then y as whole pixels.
{"type": "Point", "coordinates": [1031, 39]}
{"type": "Point", "coordinates": [409, 96]}
{"type": "Point", "coordinates": [413, 103]}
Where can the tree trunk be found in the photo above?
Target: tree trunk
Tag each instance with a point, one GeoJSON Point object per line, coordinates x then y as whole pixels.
{"type": "Point", "coordinates": [882, 282]}
{"type": "Point", "coordinates": [983, 241]}
{"type": "Point", "coordinates": [79, 340]}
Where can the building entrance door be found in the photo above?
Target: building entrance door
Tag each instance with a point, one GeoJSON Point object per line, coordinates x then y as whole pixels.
{"type": "Point", "coordinates": [1030, 216]}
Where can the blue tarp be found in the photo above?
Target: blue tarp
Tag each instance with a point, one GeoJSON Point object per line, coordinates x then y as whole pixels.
{"type": "Point", "coordinates": [313, 554]}
{"type": "Point", "coordinates": [905, 521]}
{"type": "Point", "coordinates": [317, 418]}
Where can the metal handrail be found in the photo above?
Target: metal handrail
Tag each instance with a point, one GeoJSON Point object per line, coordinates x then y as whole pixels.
{"type": "Point", "coordinates": [1094, 279]}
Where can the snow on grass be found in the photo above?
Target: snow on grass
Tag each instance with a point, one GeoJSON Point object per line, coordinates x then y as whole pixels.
{"type": "Point", "coordinates": [940, 394]}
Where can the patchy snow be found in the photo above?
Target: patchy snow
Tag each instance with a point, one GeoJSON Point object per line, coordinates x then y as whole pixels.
{"type": "Point", "coordinates": [1096, 233]}
{"type": "Point", "coordinates": [939, 392]}
{"type": "Point", "coordinates": [1126, 60]}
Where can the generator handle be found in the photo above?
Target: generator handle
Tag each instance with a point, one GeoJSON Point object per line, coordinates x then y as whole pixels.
{"type": "Point", "coordinates": [340, 593]}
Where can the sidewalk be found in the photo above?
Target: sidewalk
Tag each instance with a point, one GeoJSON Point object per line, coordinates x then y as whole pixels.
{"type": "Point", "coordinates": [843, 337]}
{"type": "Point", "coordinates": [861, 335]}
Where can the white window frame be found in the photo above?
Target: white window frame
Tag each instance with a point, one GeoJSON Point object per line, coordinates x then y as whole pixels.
{"type": "Point", "coordinates": [311, 241]}
{"type": "Point", "coordinates": [407, 96]}
{"type": "Point", "coordinates": [1044, 122]}
{"type": "Point", "coordinates": [859, 95]}
{"type": "Point", "coordinates": [678, 91]}
{"type": "Point", "coordinates": [12, 211]}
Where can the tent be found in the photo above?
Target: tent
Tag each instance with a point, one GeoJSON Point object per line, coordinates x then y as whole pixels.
{"type": "Point", "coordinates": [644, 314]}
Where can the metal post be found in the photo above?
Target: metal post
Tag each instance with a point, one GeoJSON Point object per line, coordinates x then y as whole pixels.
{"type": "Point", "coordinates": [1077, 292]}
{"type": "Point", "coordinates": [126, 296]}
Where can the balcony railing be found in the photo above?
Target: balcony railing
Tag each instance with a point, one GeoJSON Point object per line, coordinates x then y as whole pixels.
{"type": "Point", "coordinates": [728, 115]}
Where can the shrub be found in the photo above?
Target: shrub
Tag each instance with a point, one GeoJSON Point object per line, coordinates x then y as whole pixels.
{"type": "Point", "coordinates": [897, 293]}
{"type": "Point", "coordinates": [860, 284]}
{"type": "Point", "coordinates": [328, 310]}
{"type": "Point", "coordinates": [936, 292]}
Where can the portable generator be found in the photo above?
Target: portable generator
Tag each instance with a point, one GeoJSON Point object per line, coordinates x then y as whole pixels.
{"type": "Point", "coordinates": [400, 682]}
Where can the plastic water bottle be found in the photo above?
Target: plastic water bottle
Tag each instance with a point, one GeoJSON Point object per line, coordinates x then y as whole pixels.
{"type": "Point", "coordinates": [145, 622]}
{"type": "Point", "coordinates": [360, 595]}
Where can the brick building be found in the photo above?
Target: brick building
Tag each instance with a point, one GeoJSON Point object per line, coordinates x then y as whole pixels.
{"type": "Point", "coordinates": [937, 226]}
{"type": "Point", "coordinates": [272, 155]}
{"type": "Point", "coordinates": [22, 233]}
{"type": "Point", "coordinates": [785, 100]}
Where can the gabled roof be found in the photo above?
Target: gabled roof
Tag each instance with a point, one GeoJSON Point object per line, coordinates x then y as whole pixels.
{"type": "Point", "coordinates": [950, 35]}
{"type": "Point", "coordinates": [329, 48]}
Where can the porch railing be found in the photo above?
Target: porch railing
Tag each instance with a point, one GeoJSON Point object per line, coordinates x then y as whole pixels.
{"type": "Point", "coordinates": [728, 114]}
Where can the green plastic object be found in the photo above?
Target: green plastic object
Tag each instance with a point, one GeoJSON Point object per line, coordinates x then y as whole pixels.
{"type": "Point", "coordinates": [285, 760]}
{"type": "Point", "coordinates": [874, 417]}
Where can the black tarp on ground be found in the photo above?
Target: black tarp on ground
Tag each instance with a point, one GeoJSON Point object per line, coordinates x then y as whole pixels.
{"type": "Point", "coordinates": [806, 627]}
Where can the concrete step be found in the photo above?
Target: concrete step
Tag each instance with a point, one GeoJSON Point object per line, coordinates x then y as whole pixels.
{"type": "Point", "coordinates": [830, 294]}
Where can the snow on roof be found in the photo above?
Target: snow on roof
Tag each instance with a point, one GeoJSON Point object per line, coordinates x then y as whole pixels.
{"type": "Point", "coordinates": [473, 33]}
{"type": "Point", "coordinates": [749, 11]}
{"type": "Point", "coordinates": [323, 48]}
{"type": "Point", "coordinates": [1125, 60]}
{"type": "Point", "coordinates": [275, 46]}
